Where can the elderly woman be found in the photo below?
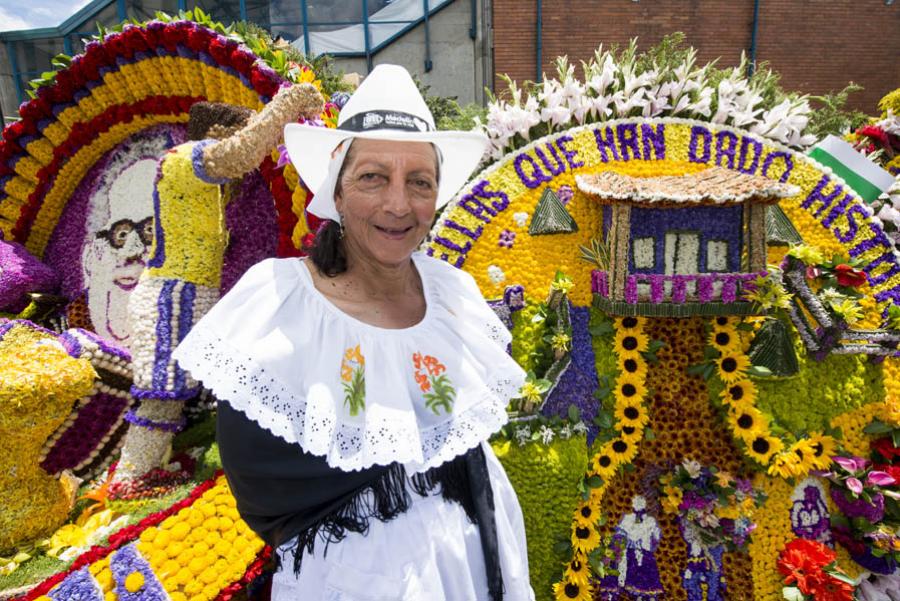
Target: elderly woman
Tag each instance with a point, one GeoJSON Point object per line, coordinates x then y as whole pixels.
{"type": "Point", "coordinates": [357, 388]}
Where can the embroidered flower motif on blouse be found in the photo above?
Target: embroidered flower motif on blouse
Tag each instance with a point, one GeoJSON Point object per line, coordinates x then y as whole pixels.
{"type": "Point", "coordinates": [353, 375]}
{"type": "Point", "coordinates": [439, 391]}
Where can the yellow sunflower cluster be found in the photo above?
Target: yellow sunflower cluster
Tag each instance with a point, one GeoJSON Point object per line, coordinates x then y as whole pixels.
{"type": "Point", "coordinates": [852, 424]}
{"type": "Point", "coordinates": [631, 416]}
{"type": "Point", "coordinates": [39, 382]}
{"type": "Point", "coordinates": [750, 425]}
{"type": "Point", "coordinates": [196, 552]}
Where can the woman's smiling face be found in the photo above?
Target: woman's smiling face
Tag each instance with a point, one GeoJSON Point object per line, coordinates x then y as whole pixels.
{"type": "Point", "coordinates": [386, 196]}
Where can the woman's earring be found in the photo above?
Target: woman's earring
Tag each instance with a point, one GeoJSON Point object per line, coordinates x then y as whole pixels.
{"type": "Point", "coordinates": [341, 226]}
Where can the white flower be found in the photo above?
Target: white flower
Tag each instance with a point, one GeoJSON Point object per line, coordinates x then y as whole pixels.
{"type": "Point", "coordinates": [889, 213]}
{"type": "Point", "coordinates": [692, 467]}
{"type": "Point", "coordinates": [496, 274]}
{"type": "Point", "coordinates": [523, 435]}
{"type": "Point", "coordinates": [580, 428]}
{"type": "Point", "coordinates": [521, 218]}
{"type": "Point", "coordinates": [566, 432]}
{"type": "Point", "coordinates": [546, 434]}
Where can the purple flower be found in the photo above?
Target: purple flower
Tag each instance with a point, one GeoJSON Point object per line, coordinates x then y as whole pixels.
{"type": "Point", "coordinates": [744, 485]}
{"type": "Point", "coordinates": [507, 237]}
{"type": "Point", "coordinates": [565, 194]}
{"type": "Point", "coordinates": [872, 510]}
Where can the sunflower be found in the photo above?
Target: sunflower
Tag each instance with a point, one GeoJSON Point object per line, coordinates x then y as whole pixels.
{"type": "Point", "coordinates": [724, 322]}
{"type": "Point", "coordinates": [733, 366]}
{"type": "Point", "coordinates": [584, 538]}
{"type": "Point", "coordinates": [632, 364]}
{"type": "Point", "coordinates": [724, 340]}
{"type": "Point", "coordinates": [568, 590]}
{"type": "Point", "coordinates": [761, 448]}
{"type": "Point", "coordinates": [631, 341]}
{"type": "Point", "coordinates": [742, 391]}
{"type": "Point", "coordinates": [823, 447]}
{"type": "Point", "coordinates": [630, 323]}
{"type": "Point", "coordinates": [631, 434]}
{"type": "Point", "coordinates": [577, 571]}
{"type": "Point", "coordinates": [805, 452]}
{"type": "Point", "coordinates": [586, 514]}
{"type": "Point", "coordinates": [631, 412]}
{"type": "Point", "coordinates": [629, 389]}
{"type": "Point", "coordinates": [604, 464]}
{"type": "Point", "coordinates": [748, 422]}
{"type": "Point", "coordinates": [785, 465]}
{"type": "Point", "coordinates": [621, 450]}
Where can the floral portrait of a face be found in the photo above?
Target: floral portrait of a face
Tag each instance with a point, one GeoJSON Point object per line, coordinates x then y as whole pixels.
{"type": "Point", "coordinates": [103, 238]}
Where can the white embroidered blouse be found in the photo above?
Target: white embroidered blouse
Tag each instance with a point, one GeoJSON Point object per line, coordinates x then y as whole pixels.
{"type": "Point", "coordinates": [359, 395]}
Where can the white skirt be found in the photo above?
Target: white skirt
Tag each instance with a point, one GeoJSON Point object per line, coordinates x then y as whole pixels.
{"type": "Point", "coordinates": [432, 552]}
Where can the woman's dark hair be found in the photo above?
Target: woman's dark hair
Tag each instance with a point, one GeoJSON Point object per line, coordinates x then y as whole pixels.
{"type": "Point", "coordinates": [327, 251]}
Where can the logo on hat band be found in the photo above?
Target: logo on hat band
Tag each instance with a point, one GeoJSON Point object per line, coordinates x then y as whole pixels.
{"type": "Point", "coordinates": [371, 120]}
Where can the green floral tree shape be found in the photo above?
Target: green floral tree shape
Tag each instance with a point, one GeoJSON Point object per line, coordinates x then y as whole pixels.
{"type": "Point", "coordinates": [355, 392]}
{"type": "Point", "coordinates": [442, 394]}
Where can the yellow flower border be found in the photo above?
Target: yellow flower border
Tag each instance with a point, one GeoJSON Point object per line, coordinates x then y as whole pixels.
{"type": "Point", "coordinates": [610, 449]}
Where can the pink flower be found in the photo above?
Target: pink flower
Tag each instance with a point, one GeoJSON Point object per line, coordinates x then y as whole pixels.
{"type": "Point", "coordinates": [854, 485]}
{"type": "Point", "coordinates": [880, 478]}
{"type": "Point", "coordinates": [851, 464]}
{"type": "Point", "coordinates": [812, 272]}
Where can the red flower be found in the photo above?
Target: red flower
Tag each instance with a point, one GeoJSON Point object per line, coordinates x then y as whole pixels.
{"type": "Point", "coordinates": [875, 133]}
{"type": "Point", "coordinates": [220, 48]}
{"type": "Point", "coordinates": [263, 83]}
{"type": "Point", "coordinates": [849, 276]}
{"type": "Point", "coordinates": [885, 447]}
{"type": "Point", "coordinates": [802, 561]}
{"type": "Point", "coordinates": [242, 60]}
{"type": "Point", "coordinates": [198, 39]}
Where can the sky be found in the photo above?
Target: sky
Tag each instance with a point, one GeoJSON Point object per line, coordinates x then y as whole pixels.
{"type": "Point", "coordinates": [30, 14]}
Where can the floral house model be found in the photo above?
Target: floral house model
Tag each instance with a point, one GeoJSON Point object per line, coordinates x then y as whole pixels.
{"type": "Point", "coordinates": [681, 245]}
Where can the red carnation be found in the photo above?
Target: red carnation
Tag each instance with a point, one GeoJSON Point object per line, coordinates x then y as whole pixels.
{"type": "Point", "coordinates": [221, 48]}
{"type": "Point", "coordinates": [849, 276]}
{"type": "Point", "coordinates": [242, 60]}
{"type": "Point", "coordinates": [871, 131]}
{"type": "Point", "coordinates": [263, 83]}
{"type": "Point", "coordinates": [198, 39]}
{"type": "Point", "coordinates": [134, 39]}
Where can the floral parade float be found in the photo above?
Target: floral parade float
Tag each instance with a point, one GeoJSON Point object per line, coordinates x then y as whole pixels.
{"type": "Point", "coordinates": [733, 334]}
{"type": "Point", "coordinates": [81, 221]}
{"type": "Point", "coordinates": [704, 311]}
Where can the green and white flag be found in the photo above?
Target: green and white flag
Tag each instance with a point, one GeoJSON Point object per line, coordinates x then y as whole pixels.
{"type": "Point", "coordinates": [865, 177]}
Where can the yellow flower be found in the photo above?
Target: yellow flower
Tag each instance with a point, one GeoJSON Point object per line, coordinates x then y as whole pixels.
{"type": "Point", "coordinates": [630, 323]}
{"type": "Point", "coordinates": [631, 341]}
{"type": "Point", "coordinates": [560, 341]}
{"type": "Point", "coordinates": [761, 448]}
{"type": "Point", "coordinates": [134, 582]}
{"type": "Point", "coordinates": [747, 422]}
{"type": "Point", "coordinates": [672, 499]}
{"type": "Point", "coordinates": [733, 367]}
{"type": "Point", "coordinates": [810, 255]}
{"type": "Point", "coordinates": [785, 465]}
{"type": "Point", "coordinates": [632, 364]}
{"type": "Point", "coordinates": [621, 451]}
{"type": "Point", "coordinates": [568, 590]}
{"type": "Point", "coordinates": [530, 392]}
{"type": "Point", "coordinates": [631, 412]}
{"type": "Point", "coordinates": [629, 389]}
{"type": "Point", "coordinates": [848, 309]}
{"type": "Point", "coordinates": [742, 391]}
{"type": "Point", "coordinates": [584, 538]}
{"type": "Point", "coordinates": [603, 464]}
{"type": "Point", "coordinates": [724, 479]}
{"type": "Point", "coordinates": [577, 571]}
{"type": "Point", "coordinates": [724, 340]}
{"type": "Point", "coordinates": [562, 283]}
{"type": "Point", "coordinates": [725, 323]}
{"type": "Point", "coordinates": [823, 448]}
{"type": "Point", "coordinates": [586, 513]}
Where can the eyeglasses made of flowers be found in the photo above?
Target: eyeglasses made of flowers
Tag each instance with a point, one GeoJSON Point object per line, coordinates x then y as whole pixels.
{"type": "Point", "coordinates": [117, 233]}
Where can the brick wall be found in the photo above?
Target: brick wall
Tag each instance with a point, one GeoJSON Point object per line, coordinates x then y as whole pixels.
{"type": "Point", "coordinates": [816, 45]}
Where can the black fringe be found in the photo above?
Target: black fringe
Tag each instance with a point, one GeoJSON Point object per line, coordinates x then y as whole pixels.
{"type": "Point", "coordinates": [388, 496]}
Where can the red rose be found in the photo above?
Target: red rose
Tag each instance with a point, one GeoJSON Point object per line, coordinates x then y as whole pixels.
{"type": "Point", "coordinates": [849, 276]}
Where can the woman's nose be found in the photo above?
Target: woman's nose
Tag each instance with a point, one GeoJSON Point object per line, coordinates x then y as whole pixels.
{"type": "Point", "coordinates": [134, 246]}
{"type": "Point", "coordinates": [397, 201]}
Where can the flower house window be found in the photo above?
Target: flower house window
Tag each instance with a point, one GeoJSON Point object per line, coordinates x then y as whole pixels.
{"type": "Point", "coordinates": [717, 255]}
{"type": "Point", "coordinates": [644, 252]}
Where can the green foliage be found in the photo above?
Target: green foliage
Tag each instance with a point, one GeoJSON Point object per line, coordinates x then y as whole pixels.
{"type": "Point", "coordinates": [31, 572]}
{"type": "Point", "coordinates": [831, 115]}
{"type": "Point", "coordinates": [464, 119]}
{"type": "Point", "coordinates": [441, 396]}
{"type": "Point", "coordinates": [546, 481]}
{"type": "Point", "coordinates": [355, 392]}
{"type": "Point", "coordinates": [200, 434]}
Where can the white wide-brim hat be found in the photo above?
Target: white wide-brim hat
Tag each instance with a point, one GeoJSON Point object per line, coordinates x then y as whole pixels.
{"type": "Point", "coordinates": [386, 106]}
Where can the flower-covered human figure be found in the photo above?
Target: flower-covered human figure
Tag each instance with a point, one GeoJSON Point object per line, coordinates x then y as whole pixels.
{"type": "Point", "coordinates": [704, 566]}
{"type": "Point", "coordinates": [184, 271]}
{"type": "Point", "coordinates": [809, 513]}
{"type": "Point", "coordinates": [638, 571]}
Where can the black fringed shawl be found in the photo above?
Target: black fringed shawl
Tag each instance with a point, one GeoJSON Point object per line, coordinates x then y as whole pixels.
{"type": "Point", "coordinates": [283, 492]}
